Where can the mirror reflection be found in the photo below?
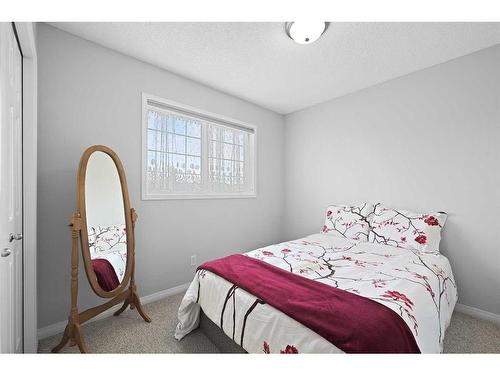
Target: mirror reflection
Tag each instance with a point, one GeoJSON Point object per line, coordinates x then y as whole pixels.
{"type": "Point", "coordinates": [105, 216]}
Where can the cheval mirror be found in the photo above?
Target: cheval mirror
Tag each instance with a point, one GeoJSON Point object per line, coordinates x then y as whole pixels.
{"type": "Point", "coordinates": [103, 226]}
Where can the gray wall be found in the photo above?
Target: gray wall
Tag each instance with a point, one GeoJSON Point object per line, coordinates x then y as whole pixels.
{"type": "Point", "coordinates": [89, 95]}
{"type": "Point", "coordinates": [425, 141]}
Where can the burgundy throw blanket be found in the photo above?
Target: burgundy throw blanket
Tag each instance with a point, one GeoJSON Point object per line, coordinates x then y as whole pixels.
{"type": "Point", "coordinates": [106, 275]}
{"type": "Point", "coordinates": [352, 323]}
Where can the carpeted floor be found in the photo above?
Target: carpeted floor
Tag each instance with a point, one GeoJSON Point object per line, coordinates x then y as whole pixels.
{"type": "Point", "coordinates": [128, 333]}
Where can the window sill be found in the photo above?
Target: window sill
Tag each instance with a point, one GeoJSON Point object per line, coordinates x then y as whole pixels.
{"type": "Point", "coordinates": [153, 197]}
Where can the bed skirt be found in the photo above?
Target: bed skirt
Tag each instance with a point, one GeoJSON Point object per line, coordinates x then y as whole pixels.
{"type": "Point", "coordinates": [218, 337]}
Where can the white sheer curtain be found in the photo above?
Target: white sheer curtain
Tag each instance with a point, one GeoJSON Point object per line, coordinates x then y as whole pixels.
{"type": "Point", "coordinates": [174, 153]}
{"type": "Point", "coordinates": [227, 159]}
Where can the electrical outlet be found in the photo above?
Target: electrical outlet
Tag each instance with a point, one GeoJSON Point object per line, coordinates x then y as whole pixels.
{"type": "Point", "coordinates": [193, 260]}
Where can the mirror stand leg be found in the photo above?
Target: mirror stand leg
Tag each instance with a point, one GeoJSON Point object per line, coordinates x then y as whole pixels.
{"type": "Point", "coordinates": [126, 303]}
{"type": "Point", "coordinates": [136, 303]}
{"type": "Point", "coordinates": [64, 340]}
{"type": "Point", "coordinates": [77, 335]}
{"type": "Point", "coordinates": [73, 335]}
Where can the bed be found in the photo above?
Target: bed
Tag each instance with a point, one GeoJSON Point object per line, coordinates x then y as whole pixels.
{"type": "Point", "coordinates": [108, 251]}
{"type": "Point", "coordinates": [416, 287]}
{"type": "Point", "coordinates": [110, 268]}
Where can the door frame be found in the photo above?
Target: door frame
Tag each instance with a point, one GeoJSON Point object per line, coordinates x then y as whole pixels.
{"type": "Point", "coordinates": [26, 33]}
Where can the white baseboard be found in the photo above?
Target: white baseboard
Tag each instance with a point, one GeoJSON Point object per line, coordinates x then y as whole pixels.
{"type": "Point", "coordinates": [58, 327]}
{"type": "Point", "coordinates": [478, 313]}
{"type": "Point", "coordinates": [164, 293]}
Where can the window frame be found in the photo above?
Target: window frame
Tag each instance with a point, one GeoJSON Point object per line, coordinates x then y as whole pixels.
{"type": "Point", "coordinates": [189, 111]}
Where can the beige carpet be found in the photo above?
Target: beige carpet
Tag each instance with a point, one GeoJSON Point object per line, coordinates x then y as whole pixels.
{"type": "Point", "coordinates": [128, 333]}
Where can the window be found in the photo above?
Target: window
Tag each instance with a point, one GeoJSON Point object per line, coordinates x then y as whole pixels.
{"type": "Point", "coordinates": [188, 153]}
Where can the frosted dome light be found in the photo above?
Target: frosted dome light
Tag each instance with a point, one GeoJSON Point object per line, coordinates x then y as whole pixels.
{"type": "Point", "coordinates": [305, 32]}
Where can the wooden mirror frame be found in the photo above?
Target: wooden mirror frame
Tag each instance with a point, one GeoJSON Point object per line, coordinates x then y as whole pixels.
{"type": "Point", "coordinates": [79, 236]}
{"type": "Point", "coordinates": [82, 209]}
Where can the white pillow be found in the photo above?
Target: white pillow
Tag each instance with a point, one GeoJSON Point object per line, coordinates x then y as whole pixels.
{"type": "Point", "coordinates": [348, 221]}
{"type": "Point", "coordinates": [407, 229]}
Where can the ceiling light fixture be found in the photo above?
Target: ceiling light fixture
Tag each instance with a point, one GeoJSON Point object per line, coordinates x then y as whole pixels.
{"type": "Point", "coordinates": [305, 32]}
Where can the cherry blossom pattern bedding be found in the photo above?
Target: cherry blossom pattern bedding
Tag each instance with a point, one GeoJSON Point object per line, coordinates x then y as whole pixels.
{"type": "Point", "coordinates": [109, 243]}
{"type": "Point", "coordinates": [418, 286]}
{"type": "Point", "coordinates": [406, 229]}
{"type": "Point", "coordinates": [118, 260]}
{"type": "Point", "coordinates": [348, 221]}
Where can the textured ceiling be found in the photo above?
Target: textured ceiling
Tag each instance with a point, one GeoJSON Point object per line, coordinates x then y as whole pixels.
{"type": "Point", "coordinates": [257, 61]}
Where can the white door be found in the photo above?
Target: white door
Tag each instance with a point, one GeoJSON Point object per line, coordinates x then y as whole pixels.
{"type": "Point", "coordinates": [11, 211]}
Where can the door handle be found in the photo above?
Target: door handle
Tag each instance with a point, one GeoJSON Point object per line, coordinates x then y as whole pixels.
{"type": "Point", "coordinates": [17, 237]}
{"type": "Point", "coordinates": [5, 252]}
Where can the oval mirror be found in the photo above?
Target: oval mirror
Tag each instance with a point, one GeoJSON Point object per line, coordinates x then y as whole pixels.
{"type": "Point", "coordinates": [106, 231]}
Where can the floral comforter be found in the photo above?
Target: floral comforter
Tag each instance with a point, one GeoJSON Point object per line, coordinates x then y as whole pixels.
{"type": "Point", "coordinates": [118, 260]}
{"type": "Point", "coordinates": [418, 286]}
{"type": "Point", "coordinates": [109, 242]}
